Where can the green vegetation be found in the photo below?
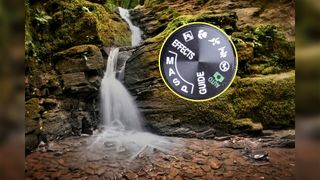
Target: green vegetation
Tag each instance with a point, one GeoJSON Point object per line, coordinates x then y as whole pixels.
{"type": "Point", "coordinates": [225, 21]}
{"type": "Point", "coordinates": [59, 25]}
{"type": "Point", "coordinates": [272, 53]}
{"type": "Point", "coordinates": [42, 18]}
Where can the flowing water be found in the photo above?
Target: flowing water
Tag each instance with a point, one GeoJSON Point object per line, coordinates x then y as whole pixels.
{"type": "Point", "coordinates": [123, 133]}
{"type": "Point", "coordinates": [136, 32]}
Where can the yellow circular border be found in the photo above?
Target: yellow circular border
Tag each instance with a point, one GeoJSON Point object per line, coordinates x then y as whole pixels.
{"type": "Point", "coordinates": [202, 100]}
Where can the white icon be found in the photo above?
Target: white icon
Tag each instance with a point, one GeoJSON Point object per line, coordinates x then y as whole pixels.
{"type": "Point", "coordinates": [188, 36]}
{"type": "Point", "coordinates": [214, 41]}
{"type": "Point", "coordinates": [223, 53]}
{"type": "Point", "coordinates": [202, 34]}
{"type": "Point", "coordinates": [224, 66]}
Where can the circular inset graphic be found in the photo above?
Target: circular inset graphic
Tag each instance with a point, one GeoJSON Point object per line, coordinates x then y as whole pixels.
{"type": "Point", "coordinates": [198, 61]}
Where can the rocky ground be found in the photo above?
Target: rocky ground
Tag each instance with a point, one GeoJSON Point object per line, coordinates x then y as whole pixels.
{"type": "Point", "coordinates": [271, 156]}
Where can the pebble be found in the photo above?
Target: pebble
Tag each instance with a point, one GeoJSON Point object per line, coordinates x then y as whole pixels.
{"type": "Point", "coordinates": [187, 156]}
{"type": "Point", "coordinates": [214, 164]}
{"type": "Point", "coordinates": [173, 172]}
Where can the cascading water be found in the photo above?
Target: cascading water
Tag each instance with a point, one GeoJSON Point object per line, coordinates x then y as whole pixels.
{"type": "Point", "coordinates": [136, 32]}
{"type": "Point", "coordinates": [118, 108]}
{"type": "Point", "coordinates": [123, 132]}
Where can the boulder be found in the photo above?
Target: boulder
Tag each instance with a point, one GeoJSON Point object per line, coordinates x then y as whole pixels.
{"type": "Point", "coordinates": [79, 58]}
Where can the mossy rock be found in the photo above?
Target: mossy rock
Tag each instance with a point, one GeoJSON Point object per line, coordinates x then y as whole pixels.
{"type": "Point", "coordinates": [247, 98]}
{"type": "Point", "coordinates": [79, 58]}
{"type": "Point", "coordinates": [223, 20]}
{"type": "Point", "coordinates": [272, 52]}
{"type": "Point", "coordinates": [76, 22]}
{"type": "Point", "coordinates": [275, 93]}
{"type": "Point", "coordinates": [247, 125]}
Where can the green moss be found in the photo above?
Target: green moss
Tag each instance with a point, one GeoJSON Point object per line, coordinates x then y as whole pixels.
{"type": "Point", "coordinates": [275, 114]}
{"type": "Point", "coordinates": [246, 125]}
{"type": "Point", "coordinates": [261, 94]}
{"type": "Point", "coordinates": [223, 20]}
{"type": "Point", "coordinates": [272, 52]}
{"type": "Point", "coordinates": [33, 109]}
{"type": "Point", "coordinates": [151, 3]}
{"type": "Point", "coordinates": [76, 22]}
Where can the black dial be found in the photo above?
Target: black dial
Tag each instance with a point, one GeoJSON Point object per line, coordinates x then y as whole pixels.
{"type": "Point", "coordinates": [198, 62]}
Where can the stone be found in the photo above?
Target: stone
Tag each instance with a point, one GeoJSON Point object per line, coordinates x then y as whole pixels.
{"type": "Point", "coordinates": [173, 173]}
{"type": "Point", "coordinates": [31, 142]}
{"type": "Point", "coordinates": [214, 164]}
{"type": "Point", "coordinates": [79, 59]}
{"type": "Point", "coordinates": [55, 124]}
{"type": "Point", "coordinates": [187, 156]}
{"type": "Point", "coordinates": [206, 168]}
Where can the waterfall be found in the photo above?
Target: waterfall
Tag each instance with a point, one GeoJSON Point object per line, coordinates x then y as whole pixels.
{"type": "Point", "coordinates": [136, 32]}
{"type": "Point", "coordinates": [118, 108]}
{"type": "Point", "coordinates": [123, 133]}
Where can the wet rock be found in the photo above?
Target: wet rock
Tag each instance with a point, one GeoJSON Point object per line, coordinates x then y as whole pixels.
{"type": "Point", "coordinates": [59, 153]}
{"type": "Point", "coordinates": [206, 168]}
{"type": "Point", "coordinates": [187, 156]}
{"type": "Point", "coordinates": [214, 164]}
{"type": "Point", "coordinates": [260, 156]}
{"type": "Point", "coordinates": [55, 124]}
{"type": "Point", "coordinates": [222, 138]}
{"type": "Point", "coordinates": [267, 132]}
{"type": "Point", "coordinates": [284, 143]}
{"type": "Point", "coordinates": [173, 173]}
{"type": "Point", "coordinates": [31, 142]}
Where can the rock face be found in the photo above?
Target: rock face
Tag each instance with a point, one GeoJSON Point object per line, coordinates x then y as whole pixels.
{"type": "Point", "coordinates": [261, 97]}
{"type": "Point", "coordinates": [63, 99]}
{"type": "Point", "coordinates": [64, 65]}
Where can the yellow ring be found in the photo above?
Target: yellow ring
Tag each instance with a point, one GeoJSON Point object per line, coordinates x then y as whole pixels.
{"type": "Point", "coordinates": [202, 100]}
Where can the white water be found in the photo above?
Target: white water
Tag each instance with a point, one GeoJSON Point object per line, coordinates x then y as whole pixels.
{"type": "Point", "coordinates": [136, 32]}
{"type": "Point", "coordinates": [123, 133]}
{"type": "Point", "coordinates": [118, 108]}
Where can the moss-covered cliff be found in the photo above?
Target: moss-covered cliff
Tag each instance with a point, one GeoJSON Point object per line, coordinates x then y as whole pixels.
{"type": "Point", "coordinates": [261, 97]}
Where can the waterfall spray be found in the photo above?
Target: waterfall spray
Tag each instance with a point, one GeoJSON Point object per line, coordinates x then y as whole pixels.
{"type": "Point", "coordinates": [122, 124]}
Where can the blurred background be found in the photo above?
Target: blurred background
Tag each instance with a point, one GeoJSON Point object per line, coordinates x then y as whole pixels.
{"type": "Point", "coordinates": [12, 89]}
{"type": "Point", "coordinates": [308, 88]}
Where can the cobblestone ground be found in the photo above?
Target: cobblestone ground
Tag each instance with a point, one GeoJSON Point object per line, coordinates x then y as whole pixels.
{"type": "Point", "coordinates": [267, 157]}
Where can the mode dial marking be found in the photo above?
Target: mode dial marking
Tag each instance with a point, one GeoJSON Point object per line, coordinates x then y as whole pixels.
{"type": "Point", "coordinates": [198, 62]}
